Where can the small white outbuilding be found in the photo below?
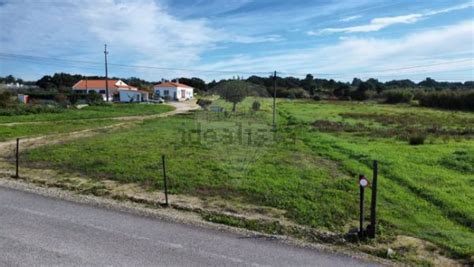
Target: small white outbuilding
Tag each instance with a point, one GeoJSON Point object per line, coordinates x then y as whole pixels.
{"type": "Point", "coordinates": [128, 96]}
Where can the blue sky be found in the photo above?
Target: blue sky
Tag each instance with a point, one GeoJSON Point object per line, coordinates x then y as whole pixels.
{"type": "Point", "coordinates": [387, 40]}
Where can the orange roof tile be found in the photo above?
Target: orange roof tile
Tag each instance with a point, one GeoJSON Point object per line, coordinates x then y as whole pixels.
{"type": "Point", "coordinates": [172, 84]}
{"type": "Point", "coordinates": [94, 84]}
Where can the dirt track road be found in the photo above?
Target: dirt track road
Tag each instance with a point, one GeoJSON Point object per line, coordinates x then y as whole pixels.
{"type": "Point", "coordinates": [7, 147]}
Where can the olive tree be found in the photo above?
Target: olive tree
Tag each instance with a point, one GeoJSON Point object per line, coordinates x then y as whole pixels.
{"type": "Point", "coordinates": [235, 91]}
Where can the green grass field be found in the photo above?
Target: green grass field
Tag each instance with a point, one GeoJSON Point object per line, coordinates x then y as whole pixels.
{"type": "Point", "coordinates": [91, 112]}
{"type": "Point", "coordinates": [308, 168]}
{"type": "Point", "coordinates": [71, 119]}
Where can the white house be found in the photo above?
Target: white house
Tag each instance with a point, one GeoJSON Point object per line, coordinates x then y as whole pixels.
{"type": "Point", "coordinates": [118, 90]}
{"type": "Point", "coordinates": [174, 90]}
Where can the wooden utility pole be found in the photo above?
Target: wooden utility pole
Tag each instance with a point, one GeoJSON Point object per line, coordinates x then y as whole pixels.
{"type": "Point", "coordinates": [274, 99]}
{"type": "Point", "coordinates": [106, 75]}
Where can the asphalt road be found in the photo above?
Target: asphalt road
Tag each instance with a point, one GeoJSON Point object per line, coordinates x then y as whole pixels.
{"type": "Point", "coordinates": [36, 230]}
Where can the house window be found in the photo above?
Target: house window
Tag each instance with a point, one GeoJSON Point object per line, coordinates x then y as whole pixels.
{"type": "Point", "coordinates": [167, 92]}
{"type": "Point", "coordinates": [102, 92]}
{"type": "Point", "coordinates": [157, 92]}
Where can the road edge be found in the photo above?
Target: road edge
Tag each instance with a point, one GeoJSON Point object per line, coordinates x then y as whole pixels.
{"type": "Point", "coordinates": [188, 218]}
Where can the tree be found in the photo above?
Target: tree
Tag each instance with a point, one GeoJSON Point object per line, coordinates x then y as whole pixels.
{"type": "Point", "coordinates": [379, 87]}
{"type": "Point", "coordinates": [342, 90]}
{"type": "Point", "coordinates": [137, 82]}
{"type": "Point", "coordinates": [428, 82]}
{"type": "Point", "coordinates": [61, 81]}
{"type": "Point", "coordinates": [400, 84]}
{"type": "Point", "coordinates": [256, 80]}
{"type": "Point", "coordinates": [361, 93]}
{"type": "Point", "coordinates": [356, 82]}
{"type": "Point", "coordinates": [234, 91]}
{"type": "Point", "coordinates": [194, 82]}
{"type": "Point", "coordinates": [309, 84]}
{"type": "Point", "coordinates": [10, 79]}
{"type": "Point", "coordinates": [46, 82]}
{"type": "Point", "coordinates": [212, 84]}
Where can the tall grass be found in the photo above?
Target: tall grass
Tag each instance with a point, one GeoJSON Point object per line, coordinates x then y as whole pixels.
{"type": "Point", "coordinates": [454, 100]}
{"type": "Point", "coordinates": [397, 96]}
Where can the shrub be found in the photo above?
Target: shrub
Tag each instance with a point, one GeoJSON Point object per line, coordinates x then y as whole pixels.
{"type": "Point", "coordinates": [6, 100]}
{"type": "Point", "coordinates": [62, 100]}
{"type": "Point", "coordinates": [417, 139]}
{"type": "Point", "coordinates": [447, 99]}
{"type": "Point", "coordinates": [359, 95]}
{"type": "Point", "coordinates": [94, 99]}
{"type": "Point", "coordinates": [292, 93]}
{"type": "Point", "coordinates": [74, 98]}
{"type": "Point", "coordinates": [418, 94]}
{"type": "Point", "coordinates": [299, 93]}
{"type": "Point", "coordinates": [342, 92]}
{"type": "Point", "coordinates": [204, 103]}
{"type": "Point", "coordinates": [398, 96]}
{"type": "Point", "coordinates": [256, 106]}
{"type": "Point", "coordinates": [30, 109]}
{"type": "Point", "coordinates": [316, 97]}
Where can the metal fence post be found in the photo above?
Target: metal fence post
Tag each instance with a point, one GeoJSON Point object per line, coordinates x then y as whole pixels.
{"type": "Point", "coordinates": [17, 157]}
{"type": "Point", "coordinates": [362, 184]}
{"type": "Point", "coordinates": [164, 179]}
{"type": "Point", "coordinates": [361, 212]}
{"type": "Point", "coordinates": [373, 204]}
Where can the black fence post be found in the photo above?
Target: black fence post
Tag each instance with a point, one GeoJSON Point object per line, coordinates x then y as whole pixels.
{"type": "Point", "coordinates": [373, 204]}
{"type": "Point", "coordinates": [17, 157]}
{"type": "Point", "coordinates": [165, 180]}
{"type": "Point", "coordinates": [361, 212]}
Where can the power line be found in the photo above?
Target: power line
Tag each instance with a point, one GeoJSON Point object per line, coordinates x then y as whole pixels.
{"type": "Point", "coordinates": [19, 56]}
{"type": "Point", "coordinates": [61, 64]}
{"type": "Point", "coordinates": [96, 65]}
{"type": "Point", "coordinates": [383, 70]}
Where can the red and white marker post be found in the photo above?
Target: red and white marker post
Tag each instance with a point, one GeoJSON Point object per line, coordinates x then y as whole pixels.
{"type": "Point", "coordinates": [363, 182]}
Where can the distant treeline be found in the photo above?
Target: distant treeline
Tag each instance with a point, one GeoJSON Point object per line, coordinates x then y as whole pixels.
{"type": "Point", "coordinates": [310, 84]}
{"type": "Point", "coordinates": [429, 92]}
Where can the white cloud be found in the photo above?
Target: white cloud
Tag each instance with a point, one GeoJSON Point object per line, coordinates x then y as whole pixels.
{"type": "Point", "coordinates": [374, 25]}
{"type": "Point", "coordinates": [377, 24]}
{"type": "Point", "coordinates": [141, 32]}
{"type": "Point", "coordinates": [146, 33]}
{"type": "Point", "coordinates": [350, 18]}
{"type": "Point", "coordinates": [373, 57]}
